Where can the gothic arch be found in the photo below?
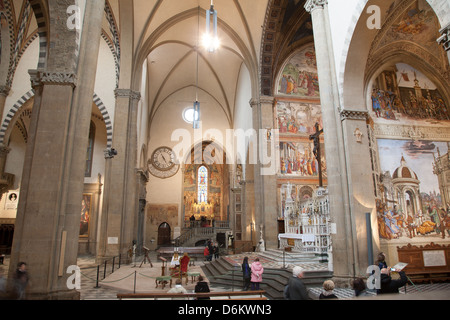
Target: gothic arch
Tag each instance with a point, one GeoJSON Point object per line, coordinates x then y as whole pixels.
{"type": "Point", "coordinates": [358, 44]}
{"type": "Point", "coordinates": [284, 31]}
{"type": "Point", "coordinates": [40, 10]}
{"type": "Point", "coordinates": [5, 130]}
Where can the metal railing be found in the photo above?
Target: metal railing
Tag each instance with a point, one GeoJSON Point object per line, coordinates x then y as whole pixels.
{"type": "Point", "coordinates": [194, 229]}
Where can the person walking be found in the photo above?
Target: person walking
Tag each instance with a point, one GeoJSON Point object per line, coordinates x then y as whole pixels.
{"type": "Point", "coordinates": [21, 279]}
{"type": "Point", "coordinates": [256, 276]}
{"type": "Point", "coordinates": [246, 273]}
{"type": "Point", "coordinates": [296, 289]}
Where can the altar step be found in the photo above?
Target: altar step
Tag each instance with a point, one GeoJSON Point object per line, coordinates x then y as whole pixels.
{"type": "Point", "coordinates": [222, 273]}
{"type": "Point", "coordinates": [288, 259]}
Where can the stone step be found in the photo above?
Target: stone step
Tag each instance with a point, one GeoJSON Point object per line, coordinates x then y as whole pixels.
{"type": "Point", "coordinates": [221, 273]}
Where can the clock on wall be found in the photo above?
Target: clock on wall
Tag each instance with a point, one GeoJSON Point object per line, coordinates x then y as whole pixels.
{"type": "Point", "coordinates": [162, 163]}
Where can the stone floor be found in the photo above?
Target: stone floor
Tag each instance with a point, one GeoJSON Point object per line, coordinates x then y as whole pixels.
{"type": "Point", "coordinates": [141, 278]}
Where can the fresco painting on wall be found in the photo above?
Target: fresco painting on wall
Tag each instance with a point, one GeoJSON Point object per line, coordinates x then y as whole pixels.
{"type": "Point", "coordinates": [414, 202]}
{"type": "Point", "coordinates": [297, 159]}
{"type": "Point", "coordinates": [404, 93]}
{"type": "Point", "coordinates": [299, 77]}
{"type": "Point", "coordinates": [418, 23]}
{"type": "Point", "coordinates": [298, 118]}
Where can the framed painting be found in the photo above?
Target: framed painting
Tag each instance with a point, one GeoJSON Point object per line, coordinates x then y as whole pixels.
{"type": "Point", "coordinates": [85, 214]}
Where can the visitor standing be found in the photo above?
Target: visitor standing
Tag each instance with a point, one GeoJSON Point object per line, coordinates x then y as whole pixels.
{"type": "Point", "coordinates": [256, 276]}
{"type": "Point", "coordinates": [296, 289]}
{"type": "Point", "coordinates": [246, 273]}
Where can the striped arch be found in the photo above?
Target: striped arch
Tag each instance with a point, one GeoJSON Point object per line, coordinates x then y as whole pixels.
{"type": "Point", "coordinates": [30, 94]}
{"type": "Point", "coordinates": [113, 43]}
{"type": "Point", "coordinates": [11, 113]}
{"type": "Point", "coordinates": [109, 128]}
{"type": "Point", "coordinates": [41, 18]}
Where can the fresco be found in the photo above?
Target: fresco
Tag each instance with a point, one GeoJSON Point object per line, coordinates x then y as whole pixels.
{"type": "Point", "coordinates": [297, 118]}
{"type": "Point", "coordinates": [299, 77]}
{"type": "Point", "coordinates": [403, 93]}
{"type": "Point", "coordinates": [412, 205]}
{"type": "Point", "coordinates": [419, 24]}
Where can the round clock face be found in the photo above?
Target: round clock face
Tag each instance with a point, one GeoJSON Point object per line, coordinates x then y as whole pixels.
{"type": "Point", "coordinates": [161, 164]}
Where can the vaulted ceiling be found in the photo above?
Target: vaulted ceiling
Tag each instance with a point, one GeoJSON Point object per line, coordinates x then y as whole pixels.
{"type": "Point", "coordinates": [256, 34]}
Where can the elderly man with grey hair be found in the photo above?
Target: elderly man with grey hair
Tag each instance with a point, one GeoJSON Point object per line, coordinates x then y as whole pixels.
{"type": "Point", "coordinates": [295, 289]}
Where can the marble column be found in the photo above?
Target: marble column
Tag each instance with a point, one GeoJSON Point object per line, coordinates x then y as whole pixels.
{"type": "Point", "coordinates": [342, 240]}
{"type": "Point", "coordinates": [48, 215]}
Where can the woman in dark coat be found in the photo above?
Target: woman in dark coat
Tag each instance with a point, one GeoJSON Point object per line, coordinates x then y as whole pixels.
{"type": "Point", "coordinates": [246, 273]}
{"type": "Point", "coordinates": [200, 287]}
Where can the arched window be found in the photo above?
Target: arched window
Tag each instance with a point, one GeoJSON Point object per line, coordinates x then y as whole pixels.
{"type": "Point", "coordinates": [202, 187]}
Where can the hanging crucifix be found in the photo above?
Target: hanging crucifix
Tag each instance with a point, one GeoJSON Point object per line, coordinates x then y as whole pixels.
{"type": "Point", "coordinates": [317, 152]}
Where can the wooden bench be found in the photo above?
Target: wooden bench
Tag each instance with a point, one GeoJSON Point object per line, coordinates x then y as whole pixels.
{"type": "Point", "coordinates": [231, 295]}
{"type": "Point", "coordinates": [429, 263]}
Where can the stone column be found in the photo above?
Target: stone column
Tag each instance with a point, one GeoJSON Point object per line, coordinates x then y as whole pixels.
{"type": "Point", "coordinates": [265, 179]}
{"type": "Point", "coordinates": [342, 243]}
{"type": "Point", "coordinates": [40, 236]}
{"type": "Point", "coordinates": [48, 216]}
{"type": "Point", "coordinates": [121, 204]}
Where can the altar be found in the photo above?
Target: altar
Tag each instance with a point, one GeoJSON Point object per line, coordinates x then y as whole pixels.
{"type": "Point", "coordinates": [307, 224]}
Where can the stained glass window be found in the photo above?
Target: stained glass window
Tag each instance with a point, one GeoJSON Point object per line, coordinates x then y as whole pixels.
{"type": "Point", "coordinates": [202, 188]}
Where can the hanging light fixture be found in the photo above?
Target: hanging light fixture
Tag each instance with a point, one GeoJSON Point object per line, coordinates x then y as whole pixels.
{"type": "Point", "coordinates": [210, 39]}
{"type": "Point", "coordinates": [196, 121]}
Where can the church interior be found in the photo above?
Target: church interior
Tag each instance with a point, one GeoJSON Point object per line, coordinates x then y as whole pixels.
{"type": "Point", "coordinates": [318, 126]}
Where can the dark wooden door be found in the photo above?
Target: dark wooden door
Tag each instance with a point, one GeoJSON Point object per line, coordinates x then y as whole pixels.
{"type": "Point", "coordinates": [164, 234]}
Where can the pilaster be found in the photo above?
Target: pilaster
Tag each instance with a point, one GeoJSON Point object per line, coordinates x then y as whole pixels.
{"type": "Point", "coordinates": [342, 240]}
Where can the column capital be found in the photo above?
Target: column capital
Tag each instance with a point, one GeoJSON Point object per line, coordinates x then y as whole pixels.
{"type": "Point", "coordinates": [40, 77]}
{"type": "Point", "coordinates": [4, 150]}
{"type": "Point", "coordinates": [59, 78]}
{"type": "Point", "coordinates": [444, 40]}
{"type": "Point", "coordinates": [127, 93]}
{"type": "Point", "coordinates": [354, 115]}
{"type": "Point", "coordinates": [4, 90]}
{"type": "Point", "coordinates": [311, 5]}
{"type": "Point", "coordinates": [261, 100]}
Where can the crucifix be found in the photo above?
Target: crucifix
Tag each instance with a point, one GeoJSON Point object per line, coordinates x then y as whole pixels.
{"type": "Point", "coordinates": [316, 138]}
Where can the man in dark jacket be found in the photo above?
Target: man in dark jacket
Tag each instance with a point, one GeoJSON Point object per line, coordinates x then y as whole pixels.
{"type": "Point", "coordinates": [388, 285]}
{"type": "Point", "coordinates": [296, 289]}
